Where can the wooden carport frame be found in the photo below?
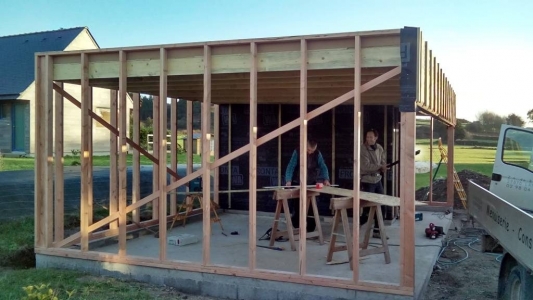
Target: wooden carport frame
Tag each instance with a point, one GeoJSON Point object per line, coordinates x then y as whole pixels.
{"type": "Point", "coordinates": [401, 53]}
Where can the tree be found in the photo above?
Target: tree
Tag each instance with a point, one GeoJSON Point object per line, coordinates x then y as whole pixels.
{"type": "Point", "coordinates": [515, 120]}
{"type": "Point", "coordinates": [440, 130]}
{"type": "Point", "coordinates": [530, 115]}
{"type": "Point", "coordinates": [491, 122]}
{"type": "Point", "coordinates": [460, 132]}
{"type": "Point", "coordinates": [147, 108]}
{"type": "Point", "coordinates": [474, 127]}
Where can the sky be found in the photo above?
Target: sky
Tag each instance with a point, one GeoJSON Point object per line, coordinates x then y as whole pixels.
{"type": "Point", "coordinates": [485, 48]}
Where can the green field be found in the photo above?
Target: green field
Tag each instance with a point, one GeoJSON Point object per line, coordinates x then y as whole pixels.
{"type": "Point", "coordinates": [28, 163]}
{"type": "Point", "coordinates": [476, 159]}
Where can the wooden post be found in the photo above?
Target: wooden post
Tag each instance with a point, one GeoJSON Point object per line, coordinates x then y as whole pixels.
{"type": "Point", "coordinates": [280, 171]}
{"type": "Point", "coordinates": [427, 76]}
{"type": "Point", "coordinates": [407, 199]}
{"type": "Point", "coordinates": [40, 157]}
{"type": "Point", "coordinates": [435, 83]}
{"type": "Point", "coordinates": [333, 141]}
{"type": "Point", "coordinates": [113, 160]}
{"type": "Point", "coordinates": [431, 124]}
{"type": "Point", "coordinates": [303, 155]}
{"type": "Point", "coordinates": [206, 137]}
{"type": "Point", "coordinates": [155, 170]}
{"type": "Point", "coordinates": [59, 207]}
{"type": "Point", "coordinates": [450, 191]}
{"type": "Point", "coordinates": [90, 196]}
{"type": "Point", "coordinates": [441, 90]}
{"type": "Point", "coordinates": [230, 116]}
{"type": "Point", "coordinates": [356, 151]}
{"type": "Point", "coordinates": [253, 156]}
{"type": "Point", "coordinates": [386, 144]}
{"type": "Point", "coordinates": [163, 71]}
{"type": "Point", "coordinates": [85, 135]}
{"type": "Point", "coordinates": [216, 154]}
{"type": "Point", "coordinates": [189, 139]}
{"type": "Point", "coordinates": [173, 149]}
{"type": "Point", "coordinates": [123, 148]}
{"type": "Point", "coordinates": [431, 85]}
{"type": "Point", "coordinates": [49, 146]}
{"type": "Point", "coordinates": [136, 170]}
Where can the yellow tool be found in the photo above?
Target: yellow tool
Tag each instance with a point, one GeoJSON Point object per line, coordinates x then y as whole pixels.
{"type": "Point", "coordinates": [456, 181]}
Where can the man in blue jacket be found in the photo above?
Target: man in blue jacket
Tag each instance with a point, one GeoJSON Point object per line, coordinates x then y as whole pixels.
{"type": "Point", "coordinates": [317, 171]}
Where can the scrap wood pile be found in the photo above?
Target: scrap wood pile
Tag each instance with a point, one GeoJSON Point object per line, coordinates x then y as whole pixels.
{"type": "Point", "coordinates": [440, 187]}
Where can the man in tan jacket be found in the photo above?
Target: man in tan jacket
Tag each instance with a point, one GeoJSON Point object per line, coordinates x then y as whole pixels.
{"type": "Point", "coordinates": [373, 163]}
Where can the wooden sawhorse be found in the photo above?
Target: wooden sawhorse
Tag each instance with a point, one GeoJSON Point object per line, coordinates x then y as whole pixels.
{"type": "Point", "coordinates": [282, 197]}
{"type": "Point", "coordinates": [340, 206]}
{"type": "Point", "coordinates": [189, 206]}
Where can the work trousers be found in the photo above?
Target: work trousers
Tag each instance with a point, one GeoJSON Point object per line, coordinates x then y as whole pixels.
{"type": "Point", "coordinates": [295, 212]}
{"type": "Point", "coordinates": [371, 188]}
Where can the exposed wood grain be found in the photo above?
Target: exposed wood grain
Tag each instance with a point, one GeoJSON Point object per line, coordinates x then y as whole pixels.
{"type": "Point", "coordinates": [49, 146]}
{"type": "Point", "coordinates": [303, 156]}
{"type": "Point", "coordinates": [59, 187]}
{"type": "Point", "coordinates": [162, 184]}
{"type": "Point", "coordinates": [84, 205]}
{"type": "Point", "coordinates": [113, 159]}
{"type": "Point", "coordinates": [123, 148]}
{"type": "Point", "coordinates": [206, 175]}
{"type": "Point", "coordinates": [253, 159]}
{"type": "Point", "coordinates": [136, 171]}
{"type": "Point", "coordinates": [173, 147]}
{"type": "Point", "coordinates": [40, 156]}
{"type": "Point", "coordinates": [355, 194]}
{"type": "Point", "coordinates": [407, 199]}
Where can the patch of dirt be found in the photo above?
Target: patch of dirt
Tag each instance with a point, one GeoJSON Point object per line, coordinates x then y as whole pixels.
{"type": "Point", "coordinates": [22, 258]}
{"type": "Point", "coordinates": [440, 187]}
{"type": "Point", "coordinates": [458, 277]}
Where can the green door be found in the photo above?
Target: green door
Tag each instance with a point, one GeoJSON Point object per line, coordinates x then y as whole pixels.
{"type": "Point", "coordinates": [19, 126]}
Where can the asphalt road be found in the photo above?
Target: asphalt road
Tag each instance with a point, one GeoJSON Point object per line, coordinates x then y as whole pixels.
{"type": "Point", "coordinates": [17, 188]}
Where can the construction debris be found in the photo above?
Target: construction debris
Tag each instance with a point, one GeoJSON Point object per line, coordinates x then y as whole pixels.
{"type": "Point", "coordinates": [440, 187]}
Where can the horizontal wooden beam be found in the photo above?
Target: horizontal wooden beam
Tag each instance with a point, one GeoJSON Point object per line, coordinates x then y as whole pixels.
{"type": "Point", "coordinates": [188, 61]}
{"type": "Point", "coordinates": [313, 75]}
{"type": "Point", "coordinates": [269, 77]}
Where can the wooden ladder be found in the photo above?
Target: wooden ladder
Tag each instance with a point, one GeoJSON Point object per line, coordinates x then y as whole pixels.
{"type": "Point", "coordinates": [456, 181]}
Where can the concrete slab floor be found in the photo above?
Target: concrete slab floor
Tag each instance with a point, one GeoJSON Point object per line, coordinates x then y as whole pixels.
{"type": "Point", "coordinates": [232, 250]}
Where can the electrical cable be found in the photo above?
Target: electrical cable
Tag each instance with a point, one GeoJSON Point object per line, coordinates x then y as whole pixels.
{"type": "Point", "coordinates": [471, 237]}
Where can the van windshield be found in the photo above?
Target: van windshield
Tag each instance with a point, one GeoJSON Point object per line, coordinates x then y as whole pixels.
{"type": "Point", "coordinates": [518, 148]}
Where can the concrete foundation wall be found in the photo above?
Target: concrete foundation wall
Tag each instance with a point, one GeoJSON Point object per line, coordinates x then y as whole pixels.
{"type": "Point", "coordinates": [214, 285]}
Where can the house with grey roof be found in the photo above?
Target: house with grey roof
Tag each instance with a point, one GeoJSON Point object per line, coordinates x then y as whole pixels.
{"type": "Point", "coordinates": [17, 91]}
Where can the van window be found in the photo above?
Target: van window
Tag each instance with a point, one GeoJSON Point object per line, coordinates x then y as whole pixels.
{"type": "Point", "coordinates": [518, 148]}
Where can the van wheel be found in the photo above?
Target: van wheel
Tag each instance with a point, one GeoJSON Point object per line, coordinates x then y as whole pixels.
{"type": "Point", "coordinates": [518, 284]}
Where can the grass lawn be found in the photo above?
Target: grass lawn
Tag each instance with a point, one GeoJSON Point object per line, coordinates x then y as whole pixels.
{"type": "Point", "coordinates": [76, 284]}
{"type": "Point", "coordinates": [17, 271]}
{"type": "Point", "coordinates": [28, 163]}
{"type": "Point", "coordinates": [476, 159]}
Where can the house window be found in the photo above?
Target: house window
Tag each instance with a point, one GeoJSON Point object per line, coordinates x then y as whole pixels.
{"type": "Point", "coordinates": [104, 113]}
